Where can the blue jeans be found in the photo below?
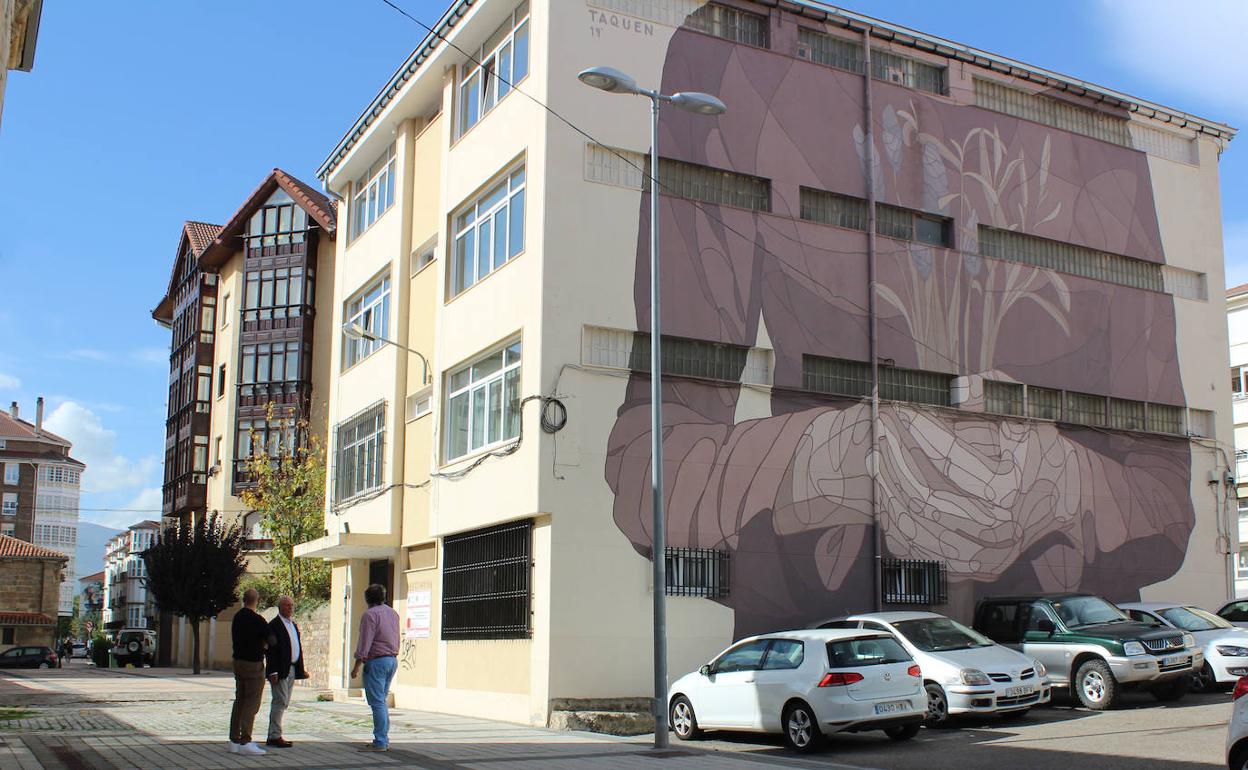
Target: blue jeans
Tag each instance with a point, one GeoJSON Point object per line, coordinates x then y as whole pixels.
{"type": "Point", "coordinates": [378, 673]}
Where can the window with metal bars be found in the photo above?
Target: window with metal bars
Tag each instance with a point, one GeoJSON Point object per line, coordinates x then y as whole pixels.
{"type": "Point", "coordinates": [1044, 403]}
{"type": "Point", "coordinates": [1003, 397]}
{"type": "Point", "coordinates": [915, 386]}
{"type": "Point", "coordinates": [1069, 258]}
{"type": "Point", "coordinates": [730, 24]}
{"type": "Point", "coordinates": [892, 221]}
{"type": "Point", "coordinates": [1163, 418]}
{"type": "Point", "coordinates": [690, 358]}
{"type": "Point", "coordinates": [486, 583]}
{"type": "Point", "coordinates": [914, 581]}
{"type": "Point", "coordinates": [1126, 415]}
{"type": "Point", "coordinates": [696, 572]}
{"type": "Point", "coordinates": [710, 185]}
{"type": "Point", "coordinates": [831, 51]}
{"type": "Point", "coordinates": [1051, 112]}
{"type": "Point", "coordinates": [1085, 409]}
{"type": "Point", "coordinates": [836, 375]}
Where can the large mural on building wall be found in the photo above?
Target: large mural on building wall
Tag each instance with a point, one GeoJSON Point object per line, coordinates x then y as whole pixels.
{"type": "Point", "coordinates": [1010, 505]}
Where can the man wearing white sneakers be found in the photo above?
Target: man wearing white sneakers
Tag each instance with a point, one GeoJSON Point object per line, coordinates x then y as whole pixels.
{"type": "Point", "coordinates": [249, 632]}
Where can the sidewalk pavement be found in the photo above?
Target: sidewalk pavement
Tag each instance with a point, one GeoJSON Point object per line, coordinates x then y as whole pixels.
{"type": "Point", "coordinates": [163, 718]}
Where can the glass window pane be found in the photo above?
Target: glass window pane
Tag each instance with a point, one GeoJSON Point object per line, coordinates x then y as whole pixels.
{"type": "Point", "coordinates": [487, 366]}
{"type": "Point", "coordinates": [511, 382]}
{"type": "Point", "coordinates": [500, 237]}
{"type": "Point", "coordinates": [457, 426]}
{"type": "Point", "coordinates": [484, 244]}
{"type": "Point", "coordinates": [494, 431]}
{"type": "Point", "coordinates": [478, 418]}
{"type": "Point", "coordinates": [515, 240]}
{"type": "Point", "coordinates": [520, 60]}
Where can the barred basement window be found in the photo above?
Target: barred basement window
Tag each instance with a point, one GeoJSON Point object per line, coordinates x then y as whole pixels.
{"type": "Point", "coordinates": [710, 185]}
{"type": "Point", "coordinates": [906, 72]}
{"type": "Point", "coordinates": [836, 375]}
{"type": "Point", "coordinates": [609, 165]}
{"type": "Point", "coordinates": [1051, 112]}
{"type": "Point", "coordinates": [892, 221]}
{"type": "Point", "coordinates": [1163, 418]}
{"type": "Point", "coordinates": [1085, 409]}
{"type": "Point", "coordinates": [1003, 397]}
{"type": "Point", "coordinates": [833, 209]}
{"type": "Point", "coordinates": [1044, 403]}
{"type": "Point", "coordinates": [1126, 415]}
{"type": "Point", "coordinates": [915, 386]}
{"type": "Point", "coordinates": [486, 578]}
{"type": "Point", "coordinates": [914, 581]}
{"type": "Point", "coordinates": [1069, 258]}
{"type": "Point", "coordinates": [830, 51]}
{"type": "Point", "coordinates": [696, 572]}
{"type": "Point", "coordinates": [690, 358]}
{"type": "Point", "coordinates": [730, 24]}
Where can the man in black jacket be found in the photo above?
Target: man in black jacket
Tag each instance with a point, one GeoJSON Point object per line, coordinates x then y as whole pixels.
{"type": "Point", "coordinates": [284, 666]}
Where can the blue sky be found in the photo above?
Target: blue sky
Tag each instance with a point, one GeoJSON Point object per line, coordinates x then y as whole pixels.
{"type": "Point", "coordinates": [132, 122]}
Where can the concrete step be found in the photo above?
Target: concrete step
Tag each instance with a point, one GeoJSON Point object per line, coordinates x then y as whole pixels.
{"type": "Point", "coordinates": [608, 722]}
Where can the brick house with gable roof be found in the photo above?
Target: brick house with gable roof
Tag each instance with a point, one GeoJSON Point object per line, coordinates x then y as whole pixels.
{"type": "Point", "coordinates": [30, 585]}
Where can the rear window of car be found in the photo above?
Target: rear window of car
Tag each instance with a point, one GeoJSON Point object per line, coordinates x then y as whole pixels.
{"type": "Point", "coordinates": [872, 651]}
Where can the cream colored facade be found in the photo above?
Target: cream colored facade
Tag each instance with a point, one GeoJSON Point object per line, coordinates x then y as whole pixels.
{"type": "Point", "coordinates": [590, 588]}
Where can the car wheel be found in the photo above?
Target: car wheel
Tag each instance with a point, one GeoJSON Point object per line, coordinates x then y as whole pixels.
{"type": "Point", "coordinates": [937, 705]}
{"type": "Point", "coordinates": [1095, 685]}
{"type": "Point", "coordinates": [1204, 680]}
{"type": "Point", "coordinates": [1172, 690]}
{"type": "Point", "coordinates": [902, 732]}
{"type": "Point", "coordinates": [1238, 759]}
{"type": "Point", "coordinates": [45, 664]}
{"type": "Point", "coordinates": [684, 721]}
{"type": "Point", "coordinates": [801, 729]}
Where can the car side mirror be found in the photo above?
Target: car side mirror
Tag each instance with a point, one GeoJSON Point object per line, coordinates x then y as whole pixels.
{"type": "Point", "coordinates": [705, 670]}
{"type": "Point", "coordinates": [1044, 625]}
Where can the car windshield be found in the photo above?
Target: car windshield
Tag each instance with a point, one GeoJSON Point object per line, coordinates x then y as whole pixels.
{"type": "Point", "coordinates": [1193, 619]}
{"type": "Point", "coordinates": [1079, 611]}
{"type": "Point", "coordinates": [873, 651]}
{"type": "Point", "coordinates": [940, 635]}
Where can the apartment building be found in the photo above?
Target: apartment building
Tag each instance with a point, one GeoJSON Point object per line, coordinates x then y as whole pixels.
{"type": "Point", "coordinates": [1009, 259]}
{"type": "Point", "coordinates": [127, 603]}
{"type": "Point", "coordinates": [39, 492]}
{"type": "Point", "coordinates": [1237, 332]}
{"type": "Point", "coordinates": [248, 304]}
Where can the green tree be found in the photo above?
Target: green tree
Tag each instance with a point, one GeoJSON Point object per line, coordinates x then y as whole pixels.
{"type": "Point", "coordinates": [288, 491]}
{"type": "Point", "coordinates": [193, 571]}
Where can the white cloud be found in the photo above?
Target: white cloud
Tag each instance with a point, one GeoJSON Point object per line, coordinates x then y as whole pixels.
{"type": "Point", "coordinates": [96, 446]}
{"type": "Point", "coordinates": [9, 382]}
{"type": "Point", "coordinates": [151, 356]}
{"type": "Point", "coordinates": [1197, 51]}
{"type": "Point", "coordinates": [83, 354]}
{"type": "Point", "coordinates": [146, 504]}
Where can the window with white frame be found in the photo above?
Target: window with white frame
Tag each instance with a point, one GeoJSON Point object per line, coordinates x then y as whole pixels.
{"type": "Point", "coordinates": [1238, 388]}
{"type": "Point", "coordinates": [489, 231]}
{"type": "Point", "coordinates": [361, 443]}
{"type": "Point", "coordinates": [11, 471]}
{"type": "Point", "coordinates": [483, 402]}
{"type": "Point", "coordinates": [1241, 563]}
{"type": "Point", "coordinates": [370, 310]}
{"type": "Point", "coordinates": [373, 193]}
{"type": "Point", "coordinates": [8, 504]}
{"type": "Point", "coordinates": [499, 64]}
{"type": "Point", "coordinates": [8, 528]}
{"type": "Point", "coordinates": [420, 403]}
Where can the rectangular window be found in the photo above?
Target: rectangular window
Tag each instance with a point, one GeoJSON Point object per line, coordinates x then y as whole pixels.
{"type": "Point", "coordinates": [730, 24]}
{"type": "Point", "coordinates": [423, 256]}
{"type": "Point", "coordinates": [373, 193]}
{"type": "Point", "coordinates": [910, 73]}
{"type": "Point", "coordinates": [420, 403]}
{"type": "Point", "coordinates": [914, 581]}
{"type": "Point", "coordinates": [1200, 423]}
{"type": "Point", "coordinates": [1069, 258]}
{"type": "Point", "coordinates": [711, 185]}
{"type": "Point", "coordinates": [1003, 397]}
{"type": "Point", "coordinates": [1039, 108]}
{"type": "Point", "coordinates": [361, 444]}
{"type": "Point", "coordinates": [1241, 563]}
{"type": "Point", "coordinates": [1187, 284]}
{"type": "Point", "coordinates": [915, 386]}
{"type": "Point", "coordinates": [8, 504]}
{"type": "Point", "coordinates": [486, 577]}
{"type": "Point", "coordinates": [836, 376]}
{"type": "Point", "coordinates": [1085, 409]}
{"type": "Point", "coordinates": [501, 63]}
{"type": "Point", "coordinates": [696, 572]}
{"type": "Point", "coordinates": [690, 358]}
{"type": "Point", "coordinates": [1163, 418]}
{"type": "Point", "coordinates": [1126, 415]}
{"type": "Point", "coordinates": [489, 231]}
{"type": "Point", "coordinates": [892, 221]}
{"type": "Point", "coordinates": [220, 380]}
{"type": "Point", "coordinates": [225, 311]}
{"type": "Point", "coordinates": [613, 166]}
{"type": "Point", "coordinates": [369, 310]}
{"type": "Point", "coordinates": [483, 402]}
{"type": "Point", "coordinates": [830, 51]}
{"type": "Point", "coordinates": [11, 471]}
{"type": "Point", "coordinates": [1237, 381]}
{"type": "Point", "coordinates": [1044, 403]}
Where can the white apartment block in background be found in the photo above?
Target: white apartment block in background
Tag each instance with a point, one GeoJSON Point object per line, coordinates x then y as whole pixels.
{"type": "Point", "coordinates": [56, 521]}
{"type": "Point", "coordinates": [1237, 327]}
{"type": "Point", "coordinates": [126, 601]}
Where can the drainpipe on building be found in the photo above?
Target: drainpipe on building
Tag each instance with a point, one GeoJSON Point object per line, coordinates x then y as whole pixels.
{"type": "Point", "coordinates": [874, 464]}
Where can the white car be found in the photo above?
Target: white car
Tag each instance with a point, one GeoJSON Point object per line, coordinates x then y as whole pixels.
{"type": "Point", "coordinates": [804, 684]}
{"type": "Point", "coordinates": [1237, 730]}
{"type": "Point", "coordinates": [964, 672]}
{"type": "Point", "coordinates": [1225, 645]}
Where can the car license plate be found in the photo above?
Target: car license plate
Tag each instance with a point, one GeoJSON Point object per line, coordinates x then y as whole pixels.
{"type": "Point", "coordinates": [1174, 661]}
{"type": "Point", "coordinates": [892, 708]}
{"type": "Point", "coordinates": [1018, 692]}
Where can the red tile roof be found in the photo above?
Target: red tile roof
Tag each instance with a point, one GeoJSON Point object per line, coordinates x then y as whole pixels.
{"type": "Point", "coordinates": [200, 234]}
{"type": "Point", "coordinates": [25, 619]}
{"type": "Point", "coordinates": [96, 576]}
{"type": "Point", "coordinates": [11, 427]}
{"type": "Point", "coordinates": [12, 548]}
{"type": "Point", "coordinates": [1240, 289]}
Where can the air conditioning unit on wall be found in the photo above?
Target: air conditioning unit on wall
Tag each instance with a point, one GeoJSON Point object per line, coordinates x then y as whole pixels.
{"type": "Point", "coordinates": [803, 51]}
{"type": "Point", "coordinates": [895, 75]}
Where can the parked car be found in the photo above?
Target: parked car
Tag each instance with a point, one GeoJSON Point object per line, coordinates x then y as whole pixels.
{"type": "Point", "coordinates": [1089, 645]}
{"type": "Point", "coordinates": [1235, 612]}
{"type": "Point", "coordinates": [28, 657]}
{"type": "Point", "coordinates": [1237, 729]}
{"type": "Point", "coordinates": [1225, 646]}
{"type": "Point", "coordinates": [135, 645]}
{"type": "Point", "coordinates": [964, 672]}
{"type": "Point", "coordinates": [804, 684]}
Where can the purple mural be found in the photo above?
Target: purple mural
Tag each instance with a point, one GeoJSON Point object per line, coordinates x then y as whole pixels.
{"type": "Point", "coordinates": [1010, 505]}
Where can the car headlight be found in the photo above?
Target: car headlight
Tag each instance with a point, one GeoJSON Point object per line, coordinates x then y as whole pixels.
{"type": "Point", "coordinates": [1133, 648]}
{"type": "Point", "coordinates": [1041, 671]}
{"type": "Point", "coordinates": [973, 676]}
{"type": "Point", "coordinates": [1231, 651]}
{"type": "Point", "coordinates": [1189, 640]}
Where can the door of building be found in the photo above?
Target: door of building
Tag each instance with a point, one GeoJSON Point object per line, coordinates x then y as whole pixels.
{"type": "Point", "coordinates": [380, 571]}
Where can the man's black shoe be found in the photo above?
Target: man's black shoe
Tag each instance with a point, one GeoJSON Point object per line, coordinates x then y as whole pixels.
{"type": "Point", "coordinates": [280, 743]}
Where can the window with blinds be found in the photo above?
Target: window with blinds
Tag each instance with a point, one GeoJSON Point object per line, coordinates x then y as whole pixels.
{"type": "Point", "coordinates": [1085, 409]}
{"type": "Point", "coordinates": [711, 185]}
{"type": "Point", "coordinates": [1069, 258]}
{"type": "Point", "coordinates": [831, 208]}
{"type": "Point", "coordinates": [1038, 108]}
{"type": "Point", "coordinates": [1003, 397]}
{"type": "Point", "coordinates": [730, 24]}
{"type": "Point", "coordinates": [691, 358]}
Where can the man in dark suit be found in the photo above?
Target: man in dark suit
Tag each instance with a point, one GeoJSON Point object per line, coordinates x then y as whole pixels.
{"type": "Point", "coordinates": [284, 666]}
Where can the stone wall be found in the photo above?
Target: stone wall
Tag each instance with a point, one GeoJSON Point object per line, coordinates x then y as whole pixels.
{"type": "Point", "coordinates": [314, 635]}
{"type": "Point", "coordinates": [31, 585]}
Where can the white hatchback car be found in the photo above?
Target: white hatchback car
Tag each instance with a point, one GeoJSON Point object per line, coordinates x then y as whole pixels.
{"type": "Point", "coordinates": [1225, 645]}
{"type": "Point", "coordinates": [803, 684]}
{"type": "Point", "coordinates": [964, 672]}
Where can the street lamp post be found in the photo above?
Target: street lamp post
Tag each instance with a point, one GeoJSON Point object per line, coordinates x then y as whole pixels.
{"type": "Point", "coordinates": [357, 332]}
{"type": "Point", "coordinates": [616, 82]}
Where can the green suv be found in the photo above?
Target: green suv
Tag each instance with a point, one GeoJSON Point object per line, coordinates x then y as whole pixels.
{"type": "Point", "coordinates": [1091, 647]}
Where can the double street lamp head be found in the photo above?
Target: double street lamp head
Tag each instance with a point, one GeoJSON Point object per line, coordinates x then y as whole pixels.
{"type": "Point", "coordinates": [614, 81]}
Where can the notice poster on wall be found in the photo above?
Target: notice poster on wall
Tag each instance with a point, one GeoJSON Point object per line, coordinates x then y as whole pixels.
{"type": "Point", "coordinates": [419, 603]}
